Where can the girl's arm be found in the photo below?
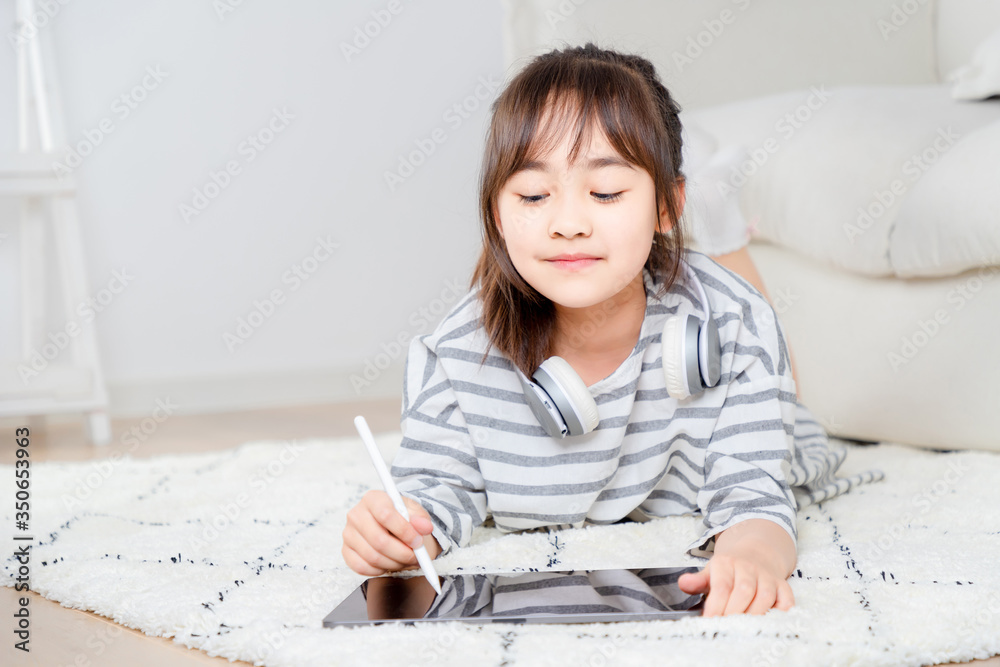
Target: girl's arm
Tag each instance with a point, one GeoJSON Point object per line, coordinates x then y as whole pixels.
{"type": "Point", "coordinates": [436, 464]}
{"type": "Point", "coordinates": [435, 470]}
{"type": "Point", "coordinates": [749, 507]}
{"type": "Point", "coordinates": [739, 262]}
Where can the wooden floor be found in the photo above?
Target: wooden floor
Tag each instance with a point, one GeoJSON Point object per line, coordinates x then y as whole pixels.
{"type": "Point", "coordinates": [62, 636]}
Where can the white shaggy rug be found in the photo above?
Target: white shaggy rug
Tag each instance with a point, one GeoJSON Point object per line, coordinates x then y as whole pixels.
{"type": "Point", "coordinates": [237, 553]}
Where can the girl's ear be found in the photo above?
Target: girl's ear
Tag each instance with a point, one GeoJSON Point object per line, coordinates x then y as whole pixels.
{"type": "Point", "coordinates": [666, 224]}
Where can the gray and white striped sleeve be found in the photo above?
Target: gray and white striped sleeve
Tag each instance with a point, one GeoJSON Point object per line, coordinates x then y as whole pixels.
{"type": "Point", "coordinates": [436, 464]}
{"type": "Point", "coordinates": [748, 458]}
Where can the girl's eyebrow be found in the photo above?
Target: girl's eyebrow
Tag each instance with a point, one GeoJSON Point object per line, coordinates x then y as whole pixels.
{"type": "Point", "coordinates": [598, 162]}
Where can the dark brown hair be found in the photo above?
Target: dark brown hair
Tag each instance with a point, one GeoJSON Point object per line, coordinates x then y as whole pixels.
{"type": "Point", "coordinates": [622, 94]}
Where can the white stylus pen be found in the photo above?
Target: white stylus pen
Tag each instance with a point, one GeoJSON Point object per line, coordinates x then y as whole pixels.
{"type": "Point", "coordinates": [423, 557]}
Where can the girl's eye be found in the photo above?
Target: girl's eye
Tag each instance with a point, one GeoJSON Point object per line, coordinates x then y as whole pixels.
{"type": "Point", "coordinates": [531, 199]}
{"type": "Point", "coordinates": [601, 197]}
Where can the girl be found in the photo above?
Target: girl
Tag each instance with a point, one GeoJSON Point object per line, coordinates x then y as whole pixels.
{"type": "Point", "coordinates": [580, 192]}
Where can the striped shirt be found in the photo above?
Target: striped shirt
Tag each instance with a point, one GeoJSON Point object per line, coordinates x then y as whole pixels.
{"type": "Point", "coordinates": [472, 450]}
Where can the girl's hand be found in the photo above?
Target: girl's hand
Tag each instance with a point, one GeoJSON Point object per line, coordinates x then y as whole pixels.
{"type": "Point", "coordinates": [736, 586]}
{"type": "Point", "coordinates": [377, 539]}
{"type": "Point", "coordinates": [748, 572]}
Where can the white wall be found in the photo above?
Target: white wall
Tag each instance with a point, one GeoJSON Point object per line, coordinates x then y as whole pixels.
{"type": "Point", "coordinates": [713, 52]}
{"type": "Point", "coordinates": [321, 177]}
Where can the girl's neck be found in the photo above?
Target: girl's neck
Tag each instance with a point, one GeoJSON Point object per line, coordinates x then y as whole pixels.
{"type": "Point", "coordinates": [597, 339]}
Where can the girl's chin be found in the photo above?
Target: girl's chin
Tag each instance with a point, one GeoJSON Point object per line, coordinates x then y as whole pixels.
{"type": "Point", "coordinates": [576, 299]}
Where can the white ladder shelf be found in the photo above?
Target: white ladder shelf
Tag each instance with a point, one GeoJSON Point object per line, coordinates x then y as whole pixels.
{"type": "Point", "coordinates": [59, 369]}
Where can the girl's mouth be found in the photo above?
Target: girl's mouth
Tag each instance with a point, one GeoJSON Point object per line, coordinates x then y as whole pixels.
{"type": "Point", "coordinates": [574, 264]}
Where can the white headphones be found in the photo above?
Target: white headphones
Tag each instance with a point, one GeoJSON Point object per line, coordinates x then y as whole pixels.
{"type": "Point", "coordinates": [564, 406]}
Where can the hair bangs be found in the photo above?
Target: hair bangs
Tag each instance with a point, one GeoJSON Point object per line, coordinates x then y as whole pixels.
{"type": "Point", "coordinates": [592, 97]}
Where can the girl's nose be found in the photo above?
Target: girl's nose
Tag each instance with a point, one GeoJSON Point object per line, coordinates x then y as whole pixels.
{"type": "Point", "coordinates": [569, 217]}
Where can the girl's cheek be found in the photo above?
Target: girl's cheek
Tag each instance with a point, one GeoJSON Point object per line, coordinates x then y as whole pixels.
{"type": "Point", "coordinates": [519, 222]}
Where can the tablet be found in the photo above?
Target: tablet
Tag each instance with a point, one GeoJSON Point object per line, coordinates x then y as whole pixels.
{"type": "Point", "coordinates": [572, 596]}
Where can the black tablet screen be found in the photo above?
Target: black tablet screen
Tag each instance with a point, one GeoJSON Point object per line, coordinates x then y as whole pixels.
{"type": "Point", "coordinates": [576, 596]}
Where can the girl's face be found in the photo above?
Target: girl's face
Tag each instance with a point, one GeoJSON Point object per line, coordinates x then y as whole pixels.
{"type": "Point", "coordinates": [600, 207]}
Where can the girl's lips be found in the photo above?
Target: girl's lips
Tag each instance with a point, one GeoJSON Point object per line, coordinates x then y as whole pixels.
{"type": "Point", "coordinates": [573, 264]}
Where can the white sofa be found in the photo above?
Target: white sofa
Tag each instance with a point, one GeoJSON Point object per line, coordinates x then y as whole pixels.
{"type": "Point", "coordinates": [873, 194]}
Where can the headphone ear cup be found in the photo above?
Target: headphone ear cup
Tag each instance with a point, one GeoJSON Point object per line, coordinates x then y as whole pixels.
{"type": "Point", "coordinates": [710, 354]}
{"type": "Point", "coordinates": [570, 394]}
{"type": "Point", "coordinates": [674, 366]}
{"type": "Point", "coordinates": [543, 407]}
{"type": "Point", "coordinates": [679, 341]}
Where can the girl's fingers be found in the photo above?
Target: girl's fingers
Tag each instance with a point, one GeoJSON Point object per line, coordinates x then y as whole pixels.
{"type": "Point", "coordinates": [744, 587]}
{"type": "Point", "coordinates": [377, 548]}
{"type": "Point", "coordinates": [381, 509]}
{"type": "Point", "coordinates": [693, 582]}
{"type": "Point", "coordinates": [419, 518]}
{"type": "Point", "coordinates": [785, 599]}
{"type": "Point", "coordinates": [721, 584]}
{"type": "Point", "coordinates": [359, 564]}
{"type": "Point", "coordinates": [767, 591]}
{"type": "Point", "coordinates": [378, 539]}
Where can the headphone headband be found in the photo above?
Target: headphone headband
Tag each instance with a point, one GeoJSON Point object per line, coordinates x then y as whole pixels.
{"type": "Point", "coordinates": [700, 290]}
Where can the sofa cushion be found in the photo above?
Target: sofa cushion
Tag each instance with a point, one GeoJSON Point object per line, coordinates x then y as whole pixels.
{"type": "Point", "coordinates": [950, 219]}
{"type": "Point", "coordinates": [886, 359]}
{"type": "Point", "coordinates": [979, 78]}
{"type": "Point", "coordinates": [828, 168]}
{"type": "Point", "coordinates": [959, 27]}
